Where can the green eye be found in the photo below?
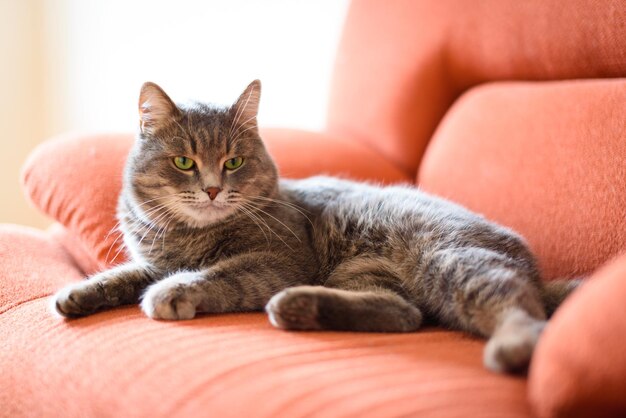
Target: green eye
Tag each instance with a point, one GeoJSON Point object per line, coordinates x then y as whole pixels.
{"type": "Point", "coordinates": [233, 163]}
{"type": "Point", "coordinates": [184, 163]}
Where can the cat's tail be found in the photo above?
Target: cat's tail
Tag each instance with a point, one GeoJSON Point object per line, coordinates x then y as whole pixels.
{"type": "Point", "coordinates": [554, 292]}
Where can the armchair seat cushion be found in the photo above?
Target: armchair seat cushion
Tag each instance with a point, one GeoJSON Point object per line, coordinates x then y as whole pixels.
{"type": "Point", "coordinates": [121, 363]}
{"type": "Point", "coordinates": [32, 265]}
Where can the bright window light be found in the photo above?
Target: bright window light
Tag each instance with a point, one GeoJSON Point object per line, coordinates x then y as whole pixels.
{"type": "Point", "coordinates": [100, 52]}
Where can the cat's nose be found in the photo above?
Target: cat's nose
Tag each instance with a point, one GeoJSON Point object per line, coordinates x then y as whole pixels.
{"type": "Point", "coordinates": [212, 192]}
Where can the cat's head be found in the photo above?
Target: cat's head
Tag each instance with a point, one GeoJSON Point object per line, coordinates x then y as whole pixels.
{"type": "Point", "coordinates": [198, 165]}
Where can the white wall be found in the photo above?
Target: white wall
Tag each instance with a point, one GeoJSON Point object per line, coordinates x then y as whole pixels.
{"type": "Point", "coordinates": [77, 65]}
{"type": "Point", "coordinates": [21, 106]}
{"type": "Point", "coordinates": [200, 50]}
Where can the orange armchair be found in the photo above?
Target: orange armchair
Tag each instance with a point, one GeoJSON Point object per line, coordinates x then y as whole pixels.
{"type": "Point", "coordinates": [514, 109]}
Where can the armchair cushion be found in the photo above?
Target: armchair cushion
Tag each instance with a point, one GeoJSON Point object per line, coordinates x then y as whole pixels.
{"type": "Point", "coordinates": [547, 159]}
{"type": "Point", "coordinates": [76, 180]}
{"type": "Point", "coordinates": [121, 363]}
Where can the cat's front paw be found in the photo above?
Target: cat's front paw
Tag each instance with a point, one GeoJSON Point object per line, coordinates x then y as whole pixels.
{"type": "Point", "coordinates": [78, 299]}
{"type": "Point", "coordinates": [168, 299]}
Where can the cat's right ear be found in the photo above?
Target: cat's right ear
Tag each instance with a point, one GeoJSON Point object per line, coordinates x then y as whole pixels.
{"type": "Point", "coordinates": [155, 108]}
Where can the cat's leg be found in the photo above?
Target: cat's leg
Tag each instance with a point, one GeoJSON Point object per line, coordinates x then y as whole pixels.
{"type": "Point", "coordinates": [118, 286]}
{"type": "Point", "coordinates": [489, 294]}
{"type": "Point", "coordinates": [241, 283]}
{"type": "Point", "coordinates": [363, 294]}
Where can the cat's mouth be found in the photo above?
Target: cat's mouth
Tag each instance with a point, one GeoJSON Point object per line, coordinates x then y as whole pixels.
{"type": "Point", "coordinates": [208, 205]}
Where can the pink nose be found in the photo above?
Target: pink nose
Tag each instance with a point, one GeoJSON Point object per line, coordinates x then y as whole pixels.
{"type": "Point", "coordinates": [212, 192]}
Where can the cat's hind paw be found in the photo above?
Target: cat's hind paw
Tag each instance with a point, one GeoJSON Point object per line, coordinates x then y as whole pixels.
{"type": "Point", "coordinates": [294, 309]}
{"type": "Point", "coordinates": [168, 300]}
{"type": "Point", "coordinates": [511, 348]}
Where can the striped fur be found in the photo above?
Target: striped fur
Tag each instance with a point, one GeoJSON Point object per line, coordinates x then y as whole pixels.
{"type": "Point", "coordinates": [319, 253]}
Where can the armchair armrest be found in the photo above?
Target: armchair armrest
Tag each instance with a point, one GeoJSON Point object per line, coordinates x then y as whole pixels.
{"type": "Point", "coordinates": [32, 265]}
{"type": "Point", "coordinates": [579, 364]}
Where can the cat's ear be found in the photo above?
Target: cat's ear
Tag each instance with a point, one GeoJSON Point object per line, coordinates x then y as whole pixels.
{"type": "Point", "coordinates": [246, 107]}
{"type": "Point", "coordinates": [155, 108]}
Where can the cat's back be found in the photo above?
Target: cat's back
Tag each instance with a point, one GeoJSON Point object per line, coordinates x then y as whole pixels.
{"type": "Point", "coordinates": [329, 197]}
{"type": "Point", "coordinates": [365, 216]}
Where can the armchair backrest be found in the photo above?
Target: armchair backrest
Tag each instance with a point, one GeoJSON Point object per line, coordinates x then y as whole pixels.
{"type": "Point", "coordinates": [523, 141]}
{"type": "Point", "coordinates": [402, 63]}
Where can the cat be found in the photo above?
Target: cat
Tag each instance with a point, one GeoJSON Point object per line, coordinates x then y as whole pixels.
{"type": "Point", "coordinates": [210, 228]}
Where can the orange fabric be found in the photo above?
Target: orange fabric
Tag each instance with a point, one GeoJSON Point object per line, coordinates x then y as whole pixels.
{"type": "Point", "coordinates": [120, 363]}
{"type": "Point", "coordinates": [84, 257]}
{"type": "Point", "coordinates": [579, 369]}
{"type": "Point", "coordinates": [401, 64]}
{"type": "Point", "coordinates": [303, 154]}
{"type": "Point", "coordinates": [32, 265]}
{"type": "Point", "coordinates": [547, 159]}
{"type": "Point", "coordinates": [83, 196]}
{"type": "Point", "coordinates": [80, 193]}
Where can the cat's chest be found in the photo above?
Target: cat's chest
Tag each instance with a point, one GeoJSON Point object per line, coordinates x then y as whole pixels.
{"type": "Point", "coordinates": [186, 249]}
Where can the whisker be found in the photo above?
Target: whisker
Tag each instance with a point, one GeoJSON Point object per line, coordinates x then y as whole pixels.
{"type": "Point", "coordinates": [106, 258]}
{"type": "Point", "coordinates": [233, 141]}
{"type": "Point", "coordinates": [152, 211]}
{"type": "Point", "coordinates": [157, 198]}
{"type": "Point", "coordinates": [189, 122]}
{"type": "Point", "coordinates": [163, 228]}
{"type": "Point", "coordinates": [277, 220]}
{"type": "Point", "coordinates": [279, 201]}
{"type": "Point", "coordinates": [242, 109]}
{"type": "Point", "coordinates": [249, 206]}
{"type": "Point", "coordinates": [180, 126]}
{"type": "Point", "coordinates": [149, 228]}
{"type": "Point", "coordinates": [236, 133]}
{"type": "Point", "coordinates": [263, 221]}
{"type": "Point", "coordinates": [132, 227]}
{"type": "Point", "coordinates": [252, 217]}
{"type": "Point", "coordinates": [165, 231]}
{"type": "Point", "coordinates": [286, 204]}
{"type": "Point", "coordinates": [117, 253]}
{"type": "Point", "coordinates": [139, 205]}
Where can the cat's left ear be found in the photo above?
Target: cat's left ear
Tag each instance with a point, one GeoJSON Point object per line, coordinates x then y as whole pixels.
{"type": "Point", "coordinates": [156, 109]}
{"type": "Point", "coordinates": [246, 108]}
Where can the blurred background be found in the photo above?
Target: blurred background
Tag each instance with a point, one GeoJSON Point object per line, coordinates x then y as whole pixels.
{"type": "Point", "coordinates": [77, 65]}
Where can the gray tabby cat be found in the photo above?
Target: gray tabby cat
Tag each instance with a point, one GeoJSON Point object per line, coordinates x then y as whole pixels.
{"type": "Point", "coordinates": [210, 228]}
